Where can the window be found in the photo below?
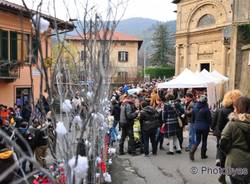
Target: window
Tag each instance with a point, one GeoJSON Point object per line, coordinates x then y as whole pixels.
{"type": "Point", "coordinates": [205, 66]}
{"type": "Point", "coordinates": [14, 46]}
{"type": "Point", "coordinates": [123, 43]}
{"type": "Point", "coordinates": [122, 56]}
{"type": "Point", "coordinates": [22, 95]}
{"type": "Point", "coordinates": [3, 45]}
{"type": "Point", "coordinates": [122, 75]}
{"type": "Point", "coordinates": [35, 48]}
{"type": "Point", "coordinates": [206, 20]}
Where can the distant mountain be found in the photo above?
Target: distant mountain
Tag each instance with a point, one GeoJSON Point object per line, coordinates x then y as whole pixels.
{"type": "Point", "coordinates": [140, 27]}
{"type": "Point", "coordinates": [144, 28]}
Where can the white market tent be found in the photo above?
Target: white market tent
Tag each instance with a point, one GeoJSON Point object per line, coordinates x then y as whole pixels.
{"type": "Point", "coordinates": [219, 75]}
{"type": "Point", "coordinates": [204, 79]}
{"type": "Point", "coordinates": [186, 79]}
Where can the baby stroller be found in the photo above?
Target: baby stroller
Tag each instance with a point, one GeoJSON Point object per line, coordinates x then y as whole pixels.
{"type": "Point", "coordinates": [137, 135]}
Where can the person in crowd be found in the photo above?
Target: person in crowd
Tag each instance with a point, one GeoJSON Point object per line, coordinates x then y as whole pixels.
{"type": "Point", "coordinates": [160, 134]}
{"type": "Point", "coordinates": [40, 142]}
{"type": "Point", "coordinates": [18, 111]}
{"type": "Point", "coordinates": [202, 122]}
{"type": "Point", "coordinates": [154, 97]}
{"type": "Point", "coordinates": [25, 140]}
{"type": "Point", "coordinates": [45, 104]}
{"type": "Point", "coordinates": [4, 113]}
{"type": "Point", "coordinates": [6, 161]}
{"type": "Point", "coordinates": [115, 111]}
{"type": "Point", "coordinates": [26, 111]}
{"type": "Point", "coordinates": [227, 107]}
{"type": "Point", "coordinates": [170, 113]}
{"type": "Point", "coordinates": [189, 103]}
{"type": "Point", "coordinates": [127, 115]}
{"type": "Point", "coordinates": [150, 119]}
{"type": "Point", "coordinates": [181, 115]}
{"type": "Point", "coordinates": [235, 141]}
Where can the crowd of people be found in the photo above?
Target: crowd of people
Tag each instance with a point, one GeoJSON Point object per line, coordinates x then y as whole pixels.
{"type": "Point", "coordinates": [148, 115]}
{"type": "Point", "coordinates": [27, 129]}
{"type": "Point", "coordinates": [167, 113]}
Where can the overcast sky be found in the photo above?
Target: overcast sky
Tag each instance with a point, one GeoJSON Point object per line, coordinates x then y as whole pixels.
{"type": "Point", "coordinates": [155, 9]}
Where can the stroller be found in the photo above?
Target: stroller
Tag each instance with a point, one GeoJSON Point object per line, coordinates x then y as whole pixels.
{"type": "Point", "coordinates": [137, 135]}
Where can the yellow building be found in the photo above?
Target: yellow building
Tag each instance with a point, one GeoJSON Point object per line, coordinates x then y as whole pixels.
{"type": "Point", "coordinates": [203, 30]}
{"type": "Point", "coordinates": [123, 55]}
{"type": "Point", "coordinates": [17, 53]}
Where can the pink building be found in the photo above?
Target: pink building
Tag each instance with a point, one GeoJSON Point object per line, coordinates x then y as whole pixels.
{"type": "Point", "coordinates": [18, 52]}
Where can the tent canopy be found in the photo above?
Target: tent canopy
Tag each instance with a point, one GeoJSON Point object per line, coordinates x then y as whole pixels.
{"type": "Point", "coordinates": [186, 79]}
{"type": "Point", "coordinates": [219, 75]}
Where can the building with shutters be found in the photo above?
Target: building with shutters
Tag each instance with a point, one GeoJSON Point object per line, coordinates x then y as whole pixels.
{"type": "Point", "coordinates": [17, 53]}
{"type": "Point", "coordinates": [123, 55]}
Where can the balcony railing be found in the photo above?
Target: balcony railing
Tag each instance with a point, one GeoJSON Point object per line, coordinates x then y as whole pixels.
{"type": "Point", "coordinates": [9, 70]}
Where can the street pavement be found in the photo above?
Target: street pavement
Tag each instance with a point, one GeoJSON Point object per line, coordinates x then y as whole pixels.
{"type": "Point", "coordinates": [167, 169]}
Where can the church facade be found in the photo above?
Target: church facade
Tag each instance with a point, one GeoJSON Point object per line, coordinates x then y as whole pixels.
{"type": "Point", "coordinates": [203, 31]}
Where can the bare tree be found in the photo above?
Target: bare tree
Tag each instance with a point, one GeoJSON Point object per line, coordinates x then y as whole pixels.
{"type": "Point", "coordinates": [67, 77]}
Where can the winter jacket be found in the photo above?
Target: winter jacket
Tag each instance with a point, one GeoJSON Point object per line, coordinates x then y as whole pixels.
{"type": "Point", "coordinates": [40, 139]}
{"type": "Point", "coordinates": [189, 112]}
{"type": "Point", "coordinates": [170, 112]}
{"type": "Point", "coordinates": [6, 161]}
{"type": "Point", "coordinates": [201, 116]}
{"type": "Point", "coordinates": [127, 114]}
{"type": "Point", "coordinates": [28, 137]}
{"type": "Point", "coordinates": [150, 119]}
{"type": "Point", "coordinates": [222, 119]}
{"type": "Point", "coordinates": [26, 113]}
{"type": "Point", "coordinates": [115, 111]}
{"type": "Point", "coordinates": [235, 141]}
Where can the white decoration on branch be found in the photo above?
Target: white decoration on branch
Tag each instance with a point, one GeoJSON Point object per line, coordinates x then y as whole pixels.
{"type": "Point", "coordinates": [66, 106]}
{"type": "Point", "coordinates": [60, 128]}
{"type": "Point", "coordinates": [81, 167]}
{"type": "Point", "coordinates": [110, 161]}
{"type": "Point", "coordinates": [107, 177]}
{"type": "Point", "coordinates": [97, 175]}
{"type": "Point", "coordinates": [89, 95]}
{"type": "Point", "coordinates": [111, 151]}
{"type": "Point", "coordinates": [77, 120]}
{"type": "Point", "coordinates": [87, 143]}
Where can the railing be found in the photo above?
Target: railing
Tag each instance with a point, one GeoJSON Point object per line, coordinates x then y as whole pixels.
{"type": "Point", "coordinates": [9, 70]}
{"type": "Point", "coordinates": [126, 80]}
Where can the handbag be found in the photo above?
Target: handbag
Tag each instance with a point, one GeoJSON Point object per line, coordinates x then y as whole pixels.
{"type": "Point", "coordinates": [179, 121]}
{"type": "Point", "coordinates": [163, 129]}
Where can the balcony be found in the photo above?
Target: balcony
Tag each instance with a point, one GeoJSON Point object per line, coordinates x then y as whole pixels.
{"type": "Point", "coordinates": [9, 71]}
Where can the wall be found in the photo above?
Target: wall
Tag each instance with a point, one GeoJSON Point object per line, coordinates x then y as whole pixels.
{"type": "Point", "coordinates": [131, 47]}
{"type": "Point", "coordinates": [8, 89]}
{"type": "Point", "coordinates": [243, 70]}
{"type": "Point", "coordinates": [196, 45]}
{"type": "Point", "coordinates": [131, 66]}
